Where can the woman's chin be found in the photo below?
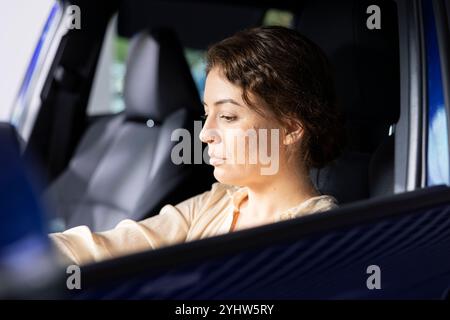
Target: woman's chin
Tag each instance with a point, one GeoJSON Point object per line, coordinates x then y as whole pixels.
{"type": "Point", "coordinates": [226, 175]}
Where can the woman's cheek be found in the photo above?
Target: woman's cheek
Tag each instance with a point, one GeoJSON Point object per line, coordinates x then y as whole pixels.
{"type": "Point", "coordinates": [240, 147]}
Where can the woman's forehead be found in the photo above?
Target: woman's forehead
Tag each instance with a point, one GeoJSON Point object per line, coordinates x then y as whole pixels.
{"type": "Point", "coordinates": [218, 88]}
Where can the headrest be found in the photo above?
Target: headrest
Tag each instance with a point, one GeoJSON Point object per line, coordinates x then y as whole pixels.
{"type": "Point", "coordinates": [158, 80]}
{"type": "Point", "coordinates": [365, 61]}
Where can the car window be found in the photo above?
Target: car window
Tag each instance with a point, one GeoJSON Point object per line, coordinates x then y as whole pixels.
{"type": "Point", "coordinates": [28, 40]}
{"type": "Point", "coordinates": [437, 139]}
{"type": "Point", "coordinates": [275, 17]}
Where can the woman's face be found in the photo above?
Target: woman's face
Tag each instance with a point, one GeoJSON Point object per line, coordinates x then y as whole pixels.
{"type": "Point", "coordinates": [244, 146]}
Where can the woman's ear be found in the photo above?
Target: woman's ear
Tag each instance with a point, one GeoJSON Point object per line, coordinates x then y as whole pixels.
{"type": "Point", "coordinates": [293, 132]}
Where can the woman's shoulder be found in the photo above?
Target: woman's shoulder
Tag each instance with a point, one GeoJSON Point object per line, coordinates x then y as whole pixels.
{"type": "Point", "coordinates": [327, 200]}
{"type": "Point", "coordinates": [321, 203]}
{"type": "Point", "coordinates": [312, 205]}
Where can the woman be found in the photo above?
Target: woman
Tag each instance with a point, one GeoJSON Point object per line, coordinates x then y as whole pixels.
{"type": "Point", "coordinates": [271, 88]}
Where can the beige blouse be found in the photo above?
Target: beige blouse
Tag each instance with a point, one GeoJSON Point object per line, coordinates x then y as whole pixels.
{"type": "Point", "coordinates": [208, 214]}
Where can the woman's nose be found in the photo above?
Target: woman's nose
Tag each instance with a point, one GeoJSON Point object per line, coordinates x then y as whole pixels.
{"type": "Point", "coordinates": [209, 135]}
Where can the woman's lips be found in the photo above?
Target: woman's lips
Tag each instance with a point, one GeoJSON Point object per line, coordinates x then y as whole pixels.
{"type": "Point", "coordinates": [216, 161]}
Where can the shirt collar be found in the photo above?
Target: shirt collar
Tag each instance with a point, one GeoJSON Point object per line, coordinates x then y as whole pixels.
{"type": "Point", "coordinates": [237, 195]}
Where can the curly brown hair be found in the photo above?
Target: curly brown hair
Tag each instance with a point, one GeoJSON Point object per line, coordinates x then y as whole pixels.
{"type": "Point", "coordinates": [290, 77]}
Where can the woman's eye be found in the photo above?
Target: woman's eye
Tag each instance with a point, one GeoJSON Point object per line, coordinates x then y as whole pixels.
{"type": "Point", "coordinates": [228, 118]}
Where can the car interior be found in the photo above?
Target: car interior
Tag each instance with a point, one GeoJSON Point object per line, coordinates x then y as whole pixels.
{"type": "Point", "coordinates": [101, 169]}
{"type": "Point", "coordinates": [97, 169]}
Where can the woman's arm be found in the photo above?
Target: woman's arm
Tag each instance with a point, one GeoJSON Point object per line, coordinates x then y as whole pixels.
{"type": "Point", "coordinates": [79, 245]}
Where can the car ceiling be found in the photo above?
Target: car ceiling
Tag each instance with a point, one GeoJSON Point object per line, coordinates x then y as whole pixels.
{"type": "Point", "coordinates": [197, 23]}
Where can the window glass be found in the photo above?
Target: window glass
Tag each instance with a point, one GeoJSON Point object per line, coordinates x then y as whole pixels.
{"type": "Point", "coordinates": [27, 28]}
{"type": "Point", "coordinates": [437, 146]}
{"type": "Point", "coordinates": [274, 17]}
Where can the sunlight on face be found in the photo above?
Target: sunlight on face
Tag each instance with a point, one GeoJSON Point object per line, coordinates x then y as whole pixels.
{"type": "Point", "coordinates": [242, 143]}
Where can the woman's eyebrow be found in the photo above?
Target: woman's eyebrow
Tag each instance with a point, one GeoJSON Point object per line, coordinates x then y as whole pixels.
{"type": "Point", "coordinates": [223, 101]}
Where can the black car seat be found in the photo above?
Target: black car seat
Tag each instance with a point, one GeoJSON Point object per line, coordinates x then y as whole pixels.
{"type": "Point", "coordinates": [122, 167]}
{"type": "Point", "coordinates": [366, 68]}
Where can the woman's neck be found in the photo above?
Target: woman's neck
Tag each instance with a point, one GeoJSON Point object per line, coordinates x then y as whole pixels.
{"type": "Point", "coordinates": [279, 193]}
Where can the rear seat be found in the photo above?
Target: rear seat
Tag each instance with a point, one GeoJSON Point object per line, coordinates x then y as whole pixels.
{"type": "Point", "coordinates": [122, 167]}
